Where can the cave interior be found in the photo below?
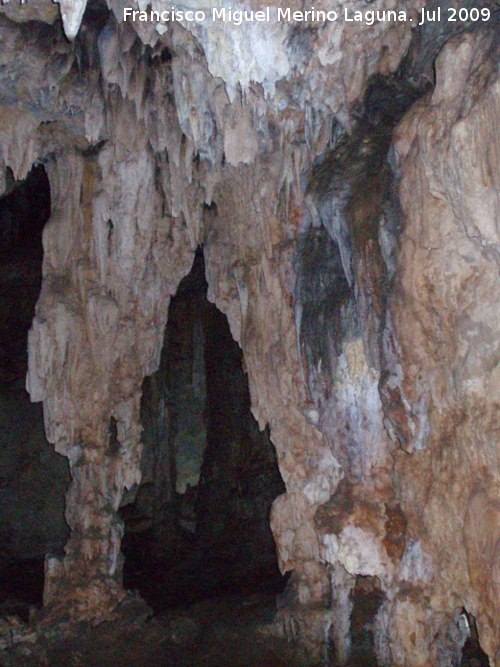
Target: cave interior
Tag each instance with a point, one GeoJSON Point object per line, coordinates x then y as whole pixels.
{"type": "Point", "coordinates": [198, 526]}
{"type": "Point", "coordinates": [249, 351]}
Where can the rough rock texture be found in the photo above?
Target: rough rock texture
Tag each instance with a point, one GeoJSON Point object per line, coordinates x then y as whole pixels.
{"type": "Point", "coordinates": [445, 324]}
{"type": "Point", "coordinates": [33, 478]}
{"type": "Point", "coordinates": [358, 269]}
{"type": "Point", "coordinates": [199, 523]}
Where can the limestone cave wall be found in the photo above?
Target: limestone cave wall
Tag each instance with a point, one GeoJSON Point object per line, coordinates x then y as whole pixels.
{"type": "Point", "coordinates": [33, 477]}
{"type": "Point", "coordinates": [198, 525]}
{"type": "Point", "coordinates": [344, 185]}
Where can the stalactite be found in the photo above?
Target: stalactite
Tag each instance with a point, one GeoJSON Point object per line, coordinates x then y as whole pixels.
{"type": "Point", "coordinates": [347, 210]}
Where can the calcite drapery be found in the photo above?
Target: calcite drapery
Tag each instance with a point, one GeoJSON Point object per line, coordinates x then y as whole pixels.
{"type": "Point", "coordinates": [139, 135]}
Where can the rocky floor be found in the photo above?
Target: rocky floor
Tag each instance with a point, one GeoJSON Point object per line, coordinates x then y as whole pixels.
{"type": "Point", "coordinates": [230, 632]}
{"type": "Point", "coordinates": [223, 632]}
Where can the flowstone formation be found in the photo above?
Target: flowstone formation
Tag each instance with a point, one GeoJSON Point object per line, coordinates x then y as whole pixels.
{"type": "Point", "coordinates": [343, 181]}
{"type": "Point", "coordinates": [199, 521]}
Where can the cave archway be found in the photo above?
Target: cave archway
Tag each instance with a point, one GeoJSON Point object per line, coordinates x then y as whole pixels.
{"type": "Point", "coordinates": [198, 526]}
{"type": "Point", "coordinates": [33, 478]}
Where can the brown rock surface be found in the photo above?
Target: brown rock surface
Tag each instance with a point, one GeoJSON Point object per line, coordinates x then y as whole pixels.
{"type": "Point", "coordinates": [358, 270]}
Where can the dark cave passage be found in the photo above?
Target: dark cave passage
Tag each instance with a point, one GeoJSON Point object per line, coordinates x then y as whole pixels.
{"type": "Point", "coordinates": [24, 210]}
{"type": "Point", "coordinates": [472, 652]}
{"type": "Point", "coordinates": [33, 478]}
{"type": "Point", "coordinates": [199, 525]}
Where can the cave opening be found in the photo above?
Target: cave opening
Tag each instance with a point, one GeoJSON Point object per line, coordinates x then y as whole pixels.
{"type": "Point", "coordinates": [366, 597]}
{"type": "Point", "coordinates": [33, 478]}
{"type": "Point", "coordinates": [472, 651]}
{"type": "Point", "coordinates": [198, 526]}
